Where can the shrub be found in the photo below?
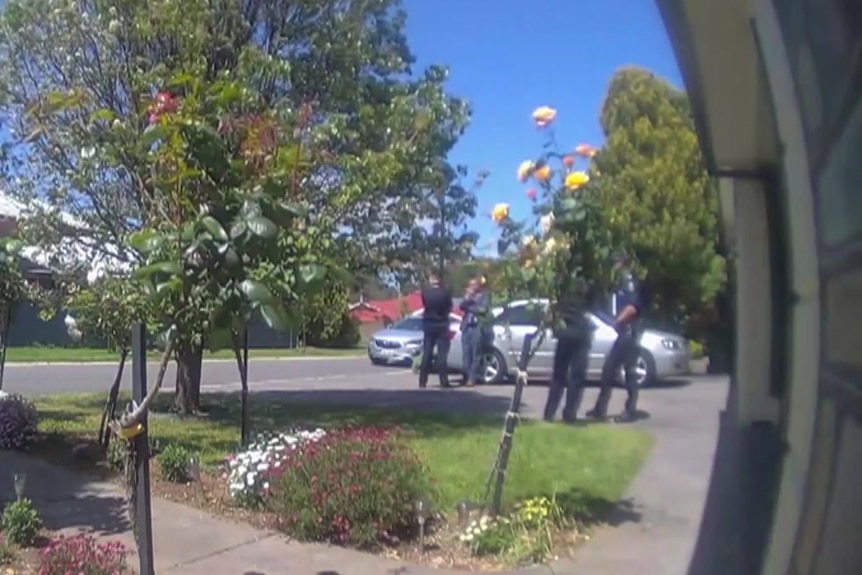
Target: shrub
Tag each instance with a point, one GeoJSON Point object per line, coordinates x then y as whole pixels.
{"type": "Point", "coordinates": [524, 536]}
{"type": "Point", "coordinates": [695, 349]}
{"type": "Point", "coordinates": [20, 523]}
{"type": "Point", "coordinates": [354, 486]}
{"type": "Point", "coordinates": [18, 422]}
{"type": "Point", "coordinates": [174, 463]}
{"type": "Point", "coordinates": [7, 552]}
{"type": "Point", "coordinates": [81, 554]}
{"type": "Point", "coordinates": [246, 470]}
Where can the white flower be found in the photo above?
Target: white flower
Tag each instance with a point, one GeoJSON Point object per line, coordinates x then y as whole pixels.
{"type": "Point", "coordinates": [546, 222]}
{"type": "Point", "coordinates": [550, 246]}
{"type": "Point", "coordinates": [246, 477]}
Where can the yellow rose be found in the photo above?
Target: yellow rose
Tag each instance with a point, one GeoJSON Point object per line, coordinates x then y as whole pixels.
{"type": "Point", "coordinates": [500, 213]}
{"type": "Point", "coordinates": [544, 115]}
{"type": "Point", "coordinates": [525, 169]}
{"type": "Point", "coordinates": [550, 246]}
{"type": "Point", "coordinates": [542, 174]}
{"type": "Point", "coordinates": [575, 180]}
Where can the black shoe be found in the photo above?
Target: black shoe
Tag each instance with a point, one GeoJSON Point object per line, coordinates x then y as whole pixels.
{"type": "Point", "coordinates": [422, 385]}
{"type": "Point", "coordinates": [597, 415]}
{"type": "Point", "coordinates": [548, 418]}
{"type": "Point", "coordinates": [445, 386]}
{"type": "Point", "coordinates": [626, 417]}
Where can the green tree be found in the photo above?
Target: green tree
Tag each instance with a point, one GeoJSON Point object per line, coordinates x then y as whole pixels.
{"type": "Point", "coordinates": [106, 309]}
{"type": "Point", "coordinates": [13, 289]}
{"type": "Point", "coordinates": [79, 78]}
{"type": "Point", "coordinates": [323, 312]}
{"type": "Point", "coordinates": [656, 196]}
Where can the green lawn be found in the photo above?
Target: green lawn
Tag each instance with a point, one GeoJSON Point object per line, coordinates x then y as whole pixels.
{"type": "Point", "coordinates": [84, 354]}
{"type": "Point", "coordinates": [595, 463]}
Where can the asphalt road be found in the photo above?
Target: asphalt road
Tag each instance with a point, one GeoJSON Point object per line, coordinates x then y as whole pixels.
{"type": "Point", "coordinates": [218, 375]}
{"type": "Point", "coordinates": [339, 380]}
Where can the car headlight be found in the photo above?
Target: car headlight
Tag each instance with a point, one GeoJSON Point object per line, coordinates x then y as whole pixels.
{"type": "Point", "coordinates": [671, 344]}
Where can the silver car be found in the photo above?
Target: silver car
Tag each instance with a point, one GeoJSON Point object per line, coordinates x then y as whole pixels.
{"type": "Point", "coordinates": [402, 341]}
{"type": "Point", "coordinates": [662, 355]}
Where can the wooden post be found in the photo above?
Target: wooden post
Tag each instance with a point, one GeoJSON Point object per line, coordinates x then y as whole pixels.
{"type": "Point", "coordinates": [243, 375]}
{"type": "Point", "coordinates": [143, 504]}
{"type": "Point", "coordinates": [509, 428]}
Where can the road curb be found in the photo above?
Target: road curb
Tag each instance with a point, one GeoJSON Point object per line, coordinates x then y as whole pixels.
{"type": "Point", "coordinates": [155, 361]}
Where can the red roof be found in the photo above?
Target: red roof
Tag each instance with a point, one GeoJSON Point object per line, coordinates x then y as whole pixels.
{"type": "Point", "coordinates": [386, 309]}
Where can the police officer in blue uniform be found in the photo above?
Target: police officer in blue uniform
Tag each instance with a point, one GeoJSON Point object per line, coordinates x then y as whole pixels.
{"type": "Point", "coordinates": [574, 334]}
{"type": "Point", "coordinates": [628, 296]}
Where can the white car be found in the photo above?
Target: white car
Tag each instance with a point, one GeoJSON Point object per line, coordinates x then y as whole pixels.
{"type": "Point", "coordinates": [662, 354]}
{"type": "Point", "coordinates": [399, 343]}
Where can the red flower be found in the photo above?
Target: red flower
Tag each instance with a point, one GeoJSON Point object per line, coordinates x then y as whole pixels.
{"type": "Point", "coordinates": [531, 193]}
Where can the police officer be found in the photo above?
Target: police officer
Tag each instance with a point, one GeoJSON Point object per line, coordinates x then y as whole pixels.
{"type": "Point", "coordinates": [628, 306]}
{"type": "Point", "coordinates": [574, 333]}
{"type": "Point", "coordinates": [437, 301]}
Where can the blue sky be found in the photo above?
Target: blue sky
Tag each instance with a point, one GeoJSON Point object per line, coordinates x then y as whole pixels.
{"type": "Point", "coordinates": [509, 56]}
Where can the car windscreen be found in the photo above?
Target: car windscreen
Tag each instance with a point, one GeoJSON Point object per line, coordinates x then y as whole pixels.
{"type": "Point", "coordinates": [409, 324]}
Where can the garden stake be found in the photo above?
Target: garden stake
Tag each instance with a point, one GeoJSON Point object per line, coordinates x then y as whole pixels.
{"type": "Point", "coordinates": [110, 410]}
{"type": "Point", "coordinates": [512, 417]}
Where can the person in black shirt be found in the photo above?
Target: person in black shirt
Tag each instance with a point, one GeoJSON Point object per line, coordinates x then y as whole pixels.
{"type": "Point", "coordinates": [574, 334]}
{"type": "Point", "coordinates": [624, 353]}
{"type": "Point", "coordinates": [437, 301]}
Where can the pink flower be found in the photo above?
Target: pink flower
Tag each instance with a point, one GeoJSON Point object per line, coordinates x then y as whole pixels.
{"type": "Point", "coordinates": [531, 193]}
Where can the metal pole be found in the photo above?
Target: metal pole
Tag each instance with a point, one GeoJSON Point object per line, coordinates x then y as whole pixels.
{"type": "Point", "coordinates": [143, 506]}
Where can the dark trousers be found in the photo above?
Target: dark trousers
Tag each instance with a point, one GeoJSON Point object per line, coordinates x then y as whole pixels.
{"type": "Point", "coordinates": [471, 353]}
{"type": "Point", "coordinates": [439, 339]}
{"type": "Point", "coordinates": [624, 353]}
{"type": "Point", "coordinates": [569, 377]}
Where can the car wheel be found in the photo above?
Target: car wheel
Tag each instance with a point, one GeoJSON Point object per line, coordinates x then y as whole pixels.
{"type": "Point", "coordinates": [376, 361]}
{"type": "Point", "coordinates": [644, 368]}
{"type": "Point", "coordinates": [493, 367]}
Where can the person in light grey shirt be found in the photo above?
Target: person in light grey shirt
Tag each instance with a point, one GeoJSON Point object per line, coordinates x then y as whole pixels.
{"type": "Point", "coordinates": [475, 324]}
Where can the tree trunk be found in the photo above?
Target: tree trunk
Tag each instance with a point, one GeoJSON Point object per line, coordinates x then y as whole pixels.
{"type": "Point", "coordinates": [189, 356]}
{"type": "Point", "coordinates": [5, 326]}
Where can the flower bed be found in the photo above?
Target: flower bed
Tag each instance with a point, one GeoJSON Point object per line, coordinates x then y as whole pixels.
{"type": "Point", "coordinates": [350, 485]}
{"type": "Point", "coordinates": [247, 470]}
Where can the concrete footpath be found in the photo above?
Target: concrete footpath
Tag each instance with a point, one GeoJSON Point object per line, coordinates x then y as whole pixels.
{"type": "Point", "coordinates": [653, 533]}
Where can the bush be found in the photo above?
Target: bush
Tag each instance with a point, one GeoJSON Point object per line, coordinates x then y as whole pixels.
{"type": "Point", "coordinates": [7, 553]}
{"type": "Point", "coordinates": [174, 463]}
{"type": "Point", "coordinates": [20, 523]}
{"type": "Point", "coordinates": [355, 486]}
{"type": "Point", "coordinates": [18, 422]}
{"type": "Point", "coordinates": [81, 554]}
{"type": "Point", "coordinates": [695, 349]}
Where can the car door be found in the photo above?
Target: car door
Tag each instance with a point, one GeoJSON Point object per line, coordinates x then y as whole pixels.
{"type": "Point", "coordinates": [512, 326]}
{"type": "Point", "coordinates": [603, 339]}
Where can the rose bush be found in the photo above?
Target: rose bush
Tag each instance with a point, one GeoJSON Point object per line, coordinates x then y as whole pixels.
{"type": "Point", "coordinates": [247, 470]}
{"type": "Point", "coordinates": [563, 248]}
{"type": "Point", "coordinates": [354, 486]}
{"type": "Point", "coordinates": [82, 555]}
{"type": "Point", "coordinates": [19, 421]}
